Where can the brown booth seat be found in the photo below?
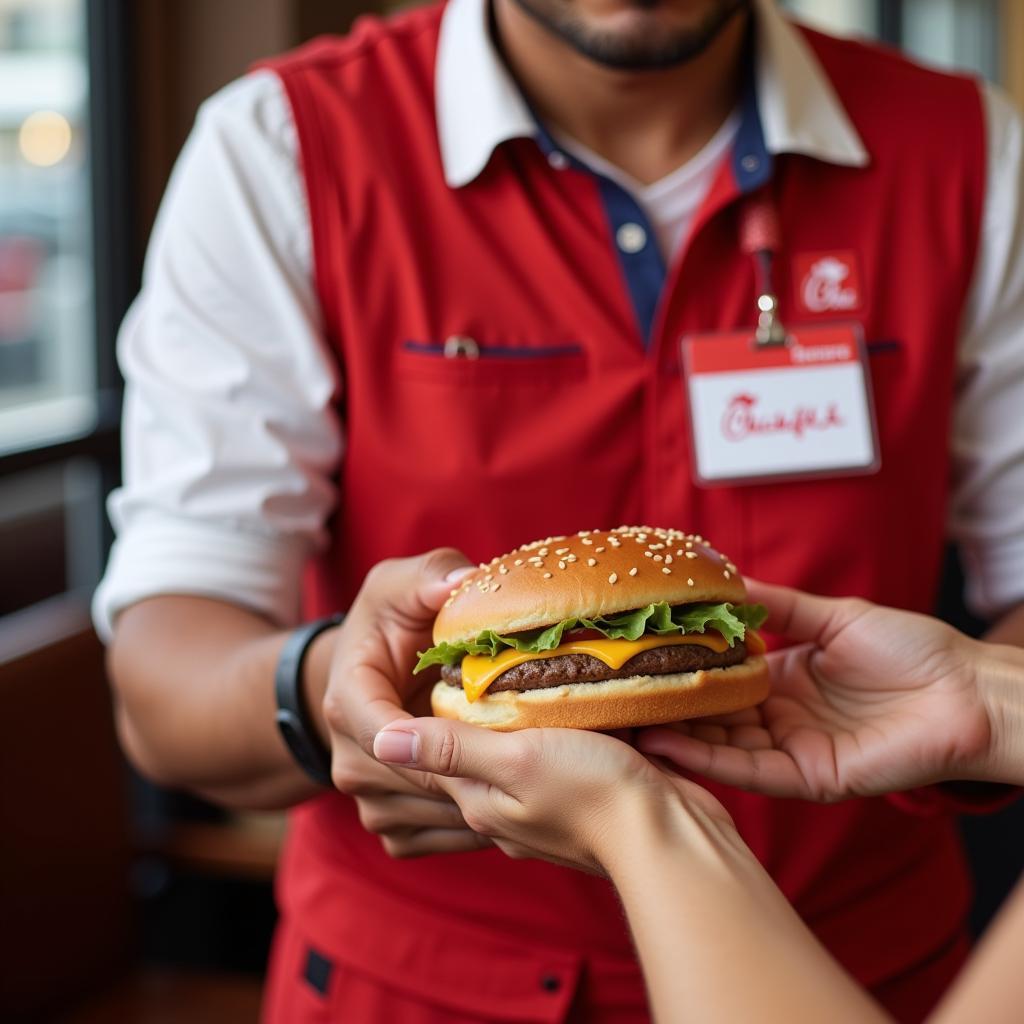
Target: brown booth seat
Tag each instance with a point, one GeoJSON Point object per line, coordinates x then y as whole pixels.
{"type": "Point", "coordinates": [66, 845]}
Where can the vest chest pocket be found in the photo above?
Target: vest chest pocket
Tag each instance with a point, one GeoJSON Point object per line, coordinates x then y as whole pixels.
{"type": "Point", "coordinates": [487, 414]}
{"type": "Point", "coordinates": [461, 362]}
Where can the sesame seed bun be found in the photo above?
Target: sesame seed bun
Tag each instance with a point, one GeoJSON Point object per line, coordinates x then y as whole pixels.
{"type": "Point", "coordinates": [591, 573]}
{"type": "Point", "coordinates": [614, 703]}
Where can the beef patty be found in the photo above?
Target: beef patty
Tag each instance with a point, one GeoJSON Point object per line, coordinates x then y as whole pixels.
{"type": "Point", "coordinates": [582, 668]}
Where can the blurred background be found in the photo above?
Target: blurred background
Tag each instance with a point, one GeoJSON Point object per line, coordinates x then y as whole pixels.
{"type": "Point", "coordinates": [119, 901]}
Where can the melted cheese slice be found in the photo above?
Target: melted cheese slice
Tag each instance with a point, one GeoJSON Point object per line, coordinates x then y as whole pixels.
{"type": "Point", "coordinates": [478, 672]}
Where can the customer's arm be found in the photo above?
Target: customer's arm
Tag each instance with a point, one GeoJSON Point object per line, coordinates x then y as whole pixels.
{"type": "Point", "coordinates": [717, 940]}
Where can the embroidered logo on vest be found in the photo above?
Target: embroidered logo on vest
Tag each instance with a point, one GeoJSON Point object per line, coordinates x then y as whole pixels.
{"type": "Point", "coordinates": [827, 282]}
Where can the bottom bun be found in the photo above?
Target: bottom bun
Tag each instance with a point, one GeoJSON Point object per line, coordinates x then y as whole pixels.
{"type": "Point", "coordinates": [614, 703]}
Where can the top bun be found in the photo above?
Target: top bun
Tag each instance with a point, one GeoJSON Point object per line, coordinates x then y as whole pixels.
{"type": "Point", "coordinates": [592, 573]}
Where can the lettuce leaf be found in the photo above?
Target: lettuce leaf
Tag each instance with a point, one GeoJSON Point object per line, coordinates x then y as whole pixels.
{"type": "Point", "coordinates": [660, 619]}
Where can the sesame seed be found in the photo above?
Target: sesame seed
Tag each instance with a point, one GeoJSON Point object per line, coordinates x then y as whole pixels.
{"type": "Point", "coordinates": [730, 566]}
{"type": "Point", "coordinates": [688, 544]}
{"type": "Point", "coordinates": [633, 571]}
{"type": "Point", "coordinates": [659, 558]}
{"type": "Point", "coordinates": [649, 554]}
{"type": "Point", "coordinates": [614, 578]}
{"type": "Point", "coordinates": [518, 561]}
{"type": "Point", "coordinates": [489, 577]}
{"type": "Point", "coordinates": [497, 586]}
{"type": "Point", "coordinates": [484, 587]}
{"type": "Point", "coordinates": [570, 558]}
{"type": "Point", "coordinates": [691, 554]}
{"type": "Point", "coordinates": [483, 565]}
{"type": "Point", "coordinates": [503, 570]}
{"type": "Point", "coordinates": [668, 559]}
{"type": "Point", "coordinates": [726, 574]}
{"type": "Point", "coordinates": [591, 561]}
{"type": "Point", "coordinates": [679, 553]}
{"type": "Point", "coordinates": [586, 540]}
{"type": "Point", "coordinates": [543, 551]}
{"type": "Point", "coordinates": [448, 603]}
{"type": "Point", "coordinates": [561, 551]}
{"type": "Point", "coordinates": [547, 575]}
{"type": "Point", "coordinates": [598, 550]}
{"type": "Point", "coordinates": [666, 570]}
{"type": "Point", "coordinates": [690, 581]}
{"type": "Point", "coordinates": [561, 565]}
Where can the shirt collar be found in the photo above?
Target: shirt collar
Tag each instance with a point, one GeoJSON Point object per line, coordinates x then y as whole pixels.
{"type": "Point", "coordinates": [479, 105]}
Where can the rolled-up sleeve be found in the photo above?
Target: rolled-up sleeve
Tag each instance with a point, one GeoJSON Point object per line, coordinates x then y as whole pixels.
{"type": "Point", "coordinates": [987, 510]}
{"type": "Point", "coordinates": [231, 438]}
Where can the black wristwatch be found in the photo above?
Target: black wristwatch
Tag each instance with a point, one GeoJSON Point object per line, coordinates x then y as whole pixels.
{"type": "Point", "coordinates": [292, 716]}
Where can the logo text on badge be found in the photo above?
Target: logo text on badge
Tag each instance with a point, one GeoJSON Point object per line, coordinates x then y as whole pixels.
{"type": "Point", "coordinates": [743, 418]}
{"type": "Point", "coordinates": [827, 282]}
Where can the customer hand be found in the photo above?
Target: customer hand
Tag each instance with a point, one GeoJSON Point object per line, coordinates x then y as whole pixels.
{"type": "Point", "coordinates": [878, 700]}
{"type": "Point", "coordinates": [568, 796]}
{"type": "Point", "coordinates": [370, 680]}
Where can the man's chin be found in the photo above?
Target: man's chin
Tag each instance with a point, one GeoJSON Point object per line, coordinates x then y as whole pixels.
{"type": "Point", "coordinates": [630, 35]}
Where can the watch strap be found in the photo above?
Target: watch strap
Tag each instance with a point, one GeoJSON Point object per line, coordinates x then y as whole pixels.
{"type": "Point", "coordinates": [292, 717]}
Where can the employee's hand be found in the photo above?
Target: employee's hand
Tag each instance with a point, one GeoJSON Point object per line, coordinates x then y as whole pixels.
{"type": "Point", "coordinates": [875, 700]}
{"type": "Point", "coordinates": [568, 796]}
{"type": "Point", "coordinates": [369, 682]}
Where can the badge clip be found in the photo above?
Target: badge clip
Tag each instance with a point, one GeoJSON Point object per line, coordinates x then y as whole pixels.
{"type": "Point", "coordinates": [770, 330]}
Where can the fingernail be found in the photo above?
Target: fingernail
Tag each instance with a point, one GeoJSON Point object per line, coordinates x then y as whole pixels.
{"type": "Point", "coordinates": [393, 746]}
{"type": "Point", "coordinates": [457, 574]}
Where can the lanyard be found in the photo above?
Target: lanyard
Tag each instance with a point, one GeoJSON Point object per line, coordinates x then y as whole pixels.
{"type": "Point", "coordinates": [760, 239]}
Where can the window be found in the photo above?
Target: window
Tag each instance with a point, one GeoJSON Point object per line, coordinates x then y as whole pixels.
{"type": "Point", "coordinates": [62, 288]}
{"type": "Point", "coordinates": [959, 34]}
{"type": "Point", "coordinates": [47, 348]}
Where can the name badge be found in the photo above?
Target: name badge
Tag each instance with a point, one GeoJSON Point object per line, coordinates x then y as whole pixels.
{"type": "Point", "coordinates": [768, 412]}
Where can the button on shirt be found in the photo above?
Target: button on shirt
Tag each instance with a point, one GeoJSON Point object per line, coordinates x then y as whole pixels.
{"type": "Point", "coordinates": [231, 433]}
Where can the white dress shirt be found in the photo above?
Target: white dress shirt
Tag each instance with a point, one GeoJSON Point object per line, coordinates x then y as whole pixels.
{"type": "Point", "coordinates": [231, 437]}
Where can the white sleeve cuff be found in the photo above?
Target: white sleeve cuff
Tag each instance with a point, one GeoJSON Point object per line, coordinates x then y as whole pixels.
{"type": "Point", "coordinates": [995, 577]}
{"type": "Point", "coordinates": [170, 556]}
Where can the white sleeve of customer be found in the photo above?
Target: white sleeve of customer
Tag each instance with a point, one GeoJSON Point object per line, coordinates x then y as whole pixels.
{"type": "Point", "coordinates": [987, 510]}
{"type": "Point", "coordinates": [231, 438]}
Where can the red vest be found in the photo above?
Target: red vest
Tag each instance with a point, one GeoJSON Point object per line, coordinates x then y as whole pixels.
{"type": "Point", "coordinates": [571, 418]}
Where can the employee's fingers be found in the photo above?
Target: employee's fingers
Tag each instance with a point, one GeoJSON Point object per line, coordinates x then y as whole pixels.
{"type": "Point", "coordinates": [362, 694]}
{"type": "Point", "coordinates": [455, 749]}
{"type": "Point", "coordinates": [764, 770]}
{"type": "Point", "coordinates": [411, 591]}
{"type": "Point", "coordinates": [424, 842]}
{"type": "Point", "coordinates": [804, 617]}
{"type": "Point", "coordinates": [399, 813]}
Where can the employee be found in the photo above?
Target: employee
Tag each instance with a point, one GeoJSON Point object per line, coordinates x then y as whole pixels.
{"type": "Point", "coordinates": [425, 285]}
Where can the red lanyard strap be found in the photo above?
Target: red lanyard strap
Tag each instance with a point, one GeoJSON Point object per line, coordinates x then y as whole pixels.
{"type": "Point", "coordinates": [760, 239]}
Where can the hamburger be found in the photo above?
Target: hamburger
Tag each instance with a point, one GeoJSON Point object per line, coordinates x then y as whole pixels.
{"type": "Point", "coordinates": [600, 630]}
